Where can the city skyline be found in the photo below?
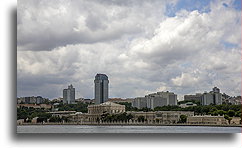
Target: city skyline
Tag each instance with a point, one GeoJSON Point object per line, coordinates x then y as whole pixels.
{"type": "Point", "coordinates": [180, 46]}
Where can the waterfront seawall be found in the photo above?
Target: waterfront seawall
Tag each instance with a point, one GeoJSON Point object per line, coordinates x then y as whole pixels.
{"type": "Point", "coordinates": [131, 124]}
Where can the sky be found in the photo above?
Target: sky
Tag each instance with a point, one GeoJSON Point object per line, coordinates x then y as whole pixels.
{"type": "Point", "coordinates": [182, 46]}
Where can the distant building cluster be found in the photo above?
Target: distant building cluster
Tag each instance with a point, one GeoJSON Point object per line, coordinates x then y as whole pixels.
{"type": "Point", "coordinates": [107, 110]}
{"type": "Point", "coordinates": [231, 100]}
{"type": "Point", "coordinates": [36, 106]}
{"type": "Point", "coordinates": [164, 98]}
{"type": "Point", "coordinates": [31, 100]}
{"type": "Point", "coordinates": [82, 100]}
{"type": "Point", "coordinates": [213, 97]}
{"type": "Point", "coordinates": [57, 100]}
{"type": "Point", "coordinates": [156, 99]}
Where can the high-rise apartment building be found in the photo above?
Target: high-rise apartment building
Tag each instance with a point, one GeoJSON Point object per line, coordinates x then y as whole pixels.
{"type": "Point", "coordinates": [139, 102]}
{"type": "Point", "coordinates": [155, 99]}
{"type": "Point", "coordinates": [196, 97]}
{"type": "Point", "coordinates": [213, 97]}
{"type": "Point", "coordinates": [101, 88]}
{"type": "Point", "coordinates": [32, 100]}
{"type": "Point", "coordinates": [207, 99]}
{"type": "Point", "coordinates": [69, 95]}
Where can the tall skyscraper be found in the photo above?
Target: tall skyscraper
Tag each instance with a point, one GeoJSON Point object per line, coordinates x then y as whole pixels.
{"type": "Point", "coordinates": [69, 95]}
{"type": "Point", "coordinates": [101, 88]}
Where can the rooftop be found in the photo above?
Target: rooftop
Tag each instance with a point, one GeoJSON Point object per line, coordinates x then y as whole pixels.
{"type": "Point", "coordinates": [101, 77]}
{"type": "Point", "coordinates": [107, 104]}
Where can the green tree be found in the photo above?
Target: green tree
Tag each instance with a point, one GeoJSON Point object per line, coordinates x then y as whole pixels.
{"type": "Point", "coordinates": [141, 119]}
{"type": "Point", "coordinates": [231, 113]}
{"type": "Point", "coordinates": [128, 106]}
{"type": "Point", "coordinates": [22, 114]}
{"type": "Point", "coordinates": [157, 120]}
{"type": "Point", "coordinates": [129, 116]}
{"type": "Point", "coordinates": [55, 119]}
{"type": "Point", "coordinates": [105, 117]}
{"type": "Point", "coordinates": [79, 107]}
{"type": "Point", "coordinates": [183, 119]}
{"type": "Point", "coordinates": [65, 119]}
{"type": "Point", "coordinates": [145, 109]}
{"type": "Point", "coordinates": [122, 117]}
{"type": "Point", "coordinates": [221, 112]}
{"type": "Point", "coordinates": [185, 101]}
{"type": "Point", "coordinates": [238, 114]}
{"type": "Point", "coordinates": [227, 118]}
{"type": "Point", "coordinates": [240, 118]}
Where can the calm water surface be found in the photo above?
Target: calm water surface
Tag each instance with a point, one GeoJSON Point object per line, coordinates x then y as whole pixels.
{"type": "Point", "coordinates": [124, 129]}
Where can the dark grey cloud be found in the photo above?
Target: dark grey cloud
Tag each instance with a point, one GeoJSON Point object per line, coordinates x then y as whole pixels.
{"type": "Point", "coordinates": [28, 84]}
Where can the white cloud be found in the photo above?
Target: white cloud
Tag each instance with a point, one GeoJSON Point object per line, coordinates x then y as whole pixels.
{"type": "Point", "coordinates": [185, 80]}
{"type": "Point", "coordinates": [133, 42]}
{"type": "Point", "coordinates": [44, 25]}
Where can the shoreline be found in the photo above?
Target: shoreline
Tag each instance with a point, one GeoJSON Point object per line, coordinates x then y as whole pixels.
{"type": "Point", "coordinates": [76, 124]}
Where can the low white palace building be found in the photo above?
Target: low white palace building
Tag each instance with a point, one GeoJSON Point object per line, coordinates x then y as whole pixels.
{"type": "Point", "coordinates": [95, 111]}
{"type": "Point", "coordinates": [213, 120]}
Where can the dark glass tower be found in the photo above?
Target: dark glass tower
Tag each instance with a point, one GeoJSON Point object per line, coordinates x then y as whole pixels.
{"type": "Point", "coordinates": [101, 88]}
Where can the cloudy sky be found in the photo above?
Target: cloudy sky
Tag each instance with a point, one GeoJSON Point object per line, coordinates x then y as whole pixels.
{"type": "Point", "coordinates": [144, 46]}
